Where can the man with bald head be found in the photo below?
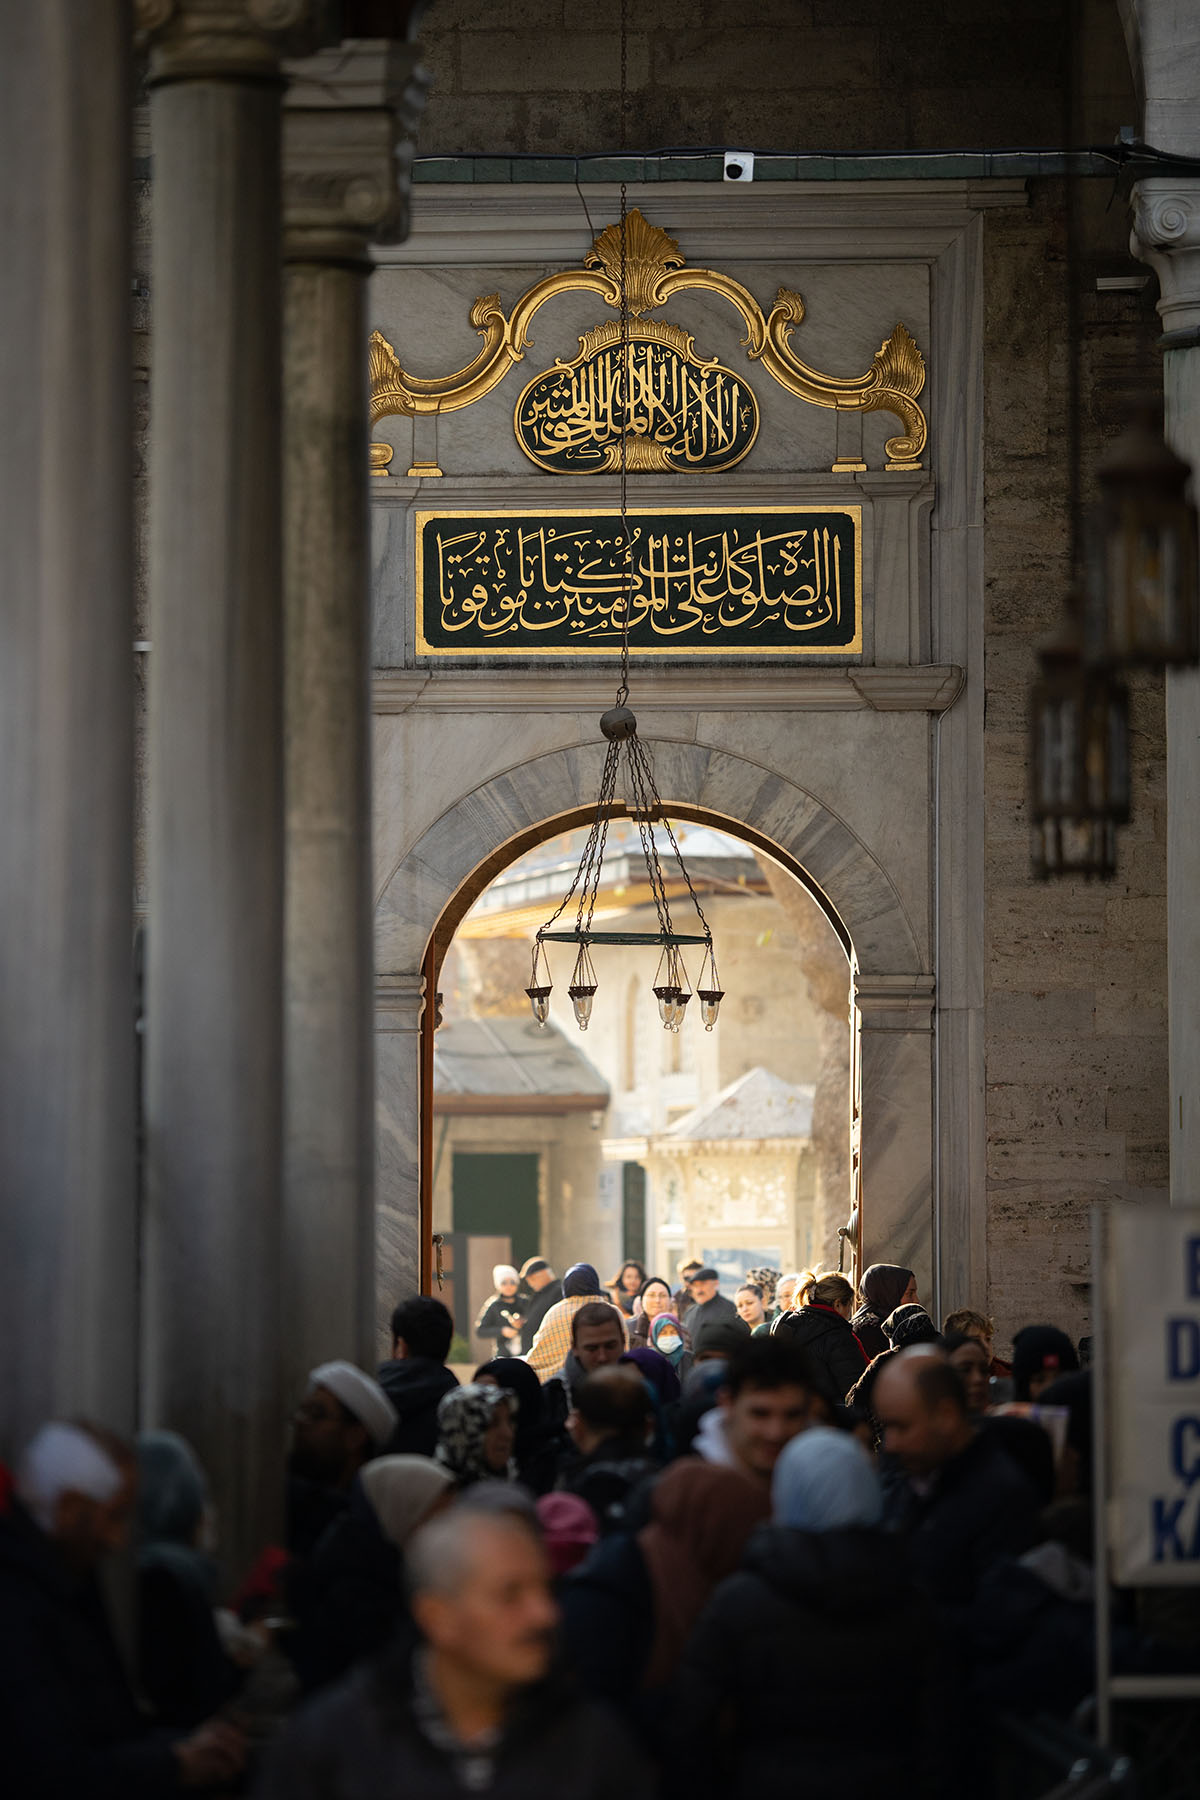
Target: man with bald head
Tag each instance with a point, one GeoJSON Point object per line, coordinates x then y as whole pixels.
{"type": "Point", "coordinates": [476, 1708]}
{"type": "Point", "coordinates": [951, 1488]}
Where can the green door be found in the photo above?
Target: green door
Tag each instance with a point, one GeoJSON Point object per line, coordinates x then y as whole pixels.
{"type": "Point", "coordinates": [633, 1212]}
{"type": "Point", "coordinates": [496, 1195]}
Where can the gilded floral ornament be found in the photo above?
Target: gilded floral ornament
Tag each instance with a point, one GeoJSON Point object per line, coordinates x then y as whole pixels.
{"type": "Point", "coordinates": [655, 270]}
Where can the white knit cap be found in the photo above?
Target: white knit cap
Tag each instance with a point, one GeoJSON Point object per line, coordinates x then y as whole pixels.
{"type": "Point", "coordinates": [62, 1459]}
{"type": "Point", "coordinates": [359, 1395]}
{"type": "Point", "coordinates": [504, 1272]}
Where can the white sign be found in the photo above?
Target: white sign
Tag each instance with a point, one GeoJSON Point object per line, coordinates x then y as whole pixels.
{"type": "Point", "coordinates": [1152, 1353]}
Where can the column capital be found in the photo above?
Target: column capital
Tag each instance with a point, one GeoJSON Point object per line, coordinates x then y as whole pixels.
{"type": "Point", "coordinates": [1166, 234]}
{"type": "Point", "coordinates": [895, 1002]}
{"type": "Point", "coordinates": [349, 123]}
{"type": "Point", "coordinates": [194, 40]}
{"type": "Point", "coordinates": [399, 1001]}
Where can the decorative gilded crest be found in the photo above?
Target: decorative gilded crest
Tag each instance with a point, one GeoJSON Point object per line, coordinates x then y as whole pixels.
{"type": "Point", "coordinates": [649, 254]}
{"type": "Point", "coordinates": [654, 271]}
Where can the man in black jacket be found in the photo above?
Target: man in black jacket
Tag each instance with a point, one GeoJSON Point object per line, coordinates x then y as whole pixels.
{"type": "Point", "coordinates": [475, 1708]}
{"type": "Point", "coordinates": [708, 1300]}
{"type": "Point", "coordinates": [956, 1495]}
{"type": "Point", "coordinates": [417, 1377]}
{"type": "Point", "coordinates": [545, 1290]}
{"type": "Point", "coordinates": [69, 1724]}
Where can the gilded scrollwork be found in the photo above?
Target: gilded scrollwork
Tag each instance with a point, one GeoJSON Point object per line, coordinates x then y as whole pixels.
{"type": "Point", "coordinates": [654, 271]}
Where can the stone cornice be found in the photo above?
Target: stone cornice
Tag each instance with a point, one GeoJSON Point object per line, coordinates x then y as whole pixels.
{"type": "Point", "coordinates": [1166, 234]}
{"type": "Point", "coordinates": [855, 221]}
{"type": "Point", "coordinates": [925, 687]}
{"type": "Point", "coordinates": [349, 120]}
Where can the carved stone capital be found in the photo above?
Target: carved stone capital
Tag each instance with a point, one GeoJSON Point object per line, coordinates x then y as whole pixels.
{"type": "Point", "coordinates": [350, 120]}
{"type": "Point", "coordinates": [399, 1000]}
{"type": "Point", "coordinates": [895, 1002]}
{"type": "Point", "coordinates": [190, 40]}
{"type": "Point", "coordinates": [1166, 234]}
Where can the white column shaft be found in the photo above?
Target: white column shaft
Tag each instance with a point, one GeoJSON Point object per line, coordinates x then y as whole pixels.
{"type": "Point", "coordinates": [67, 1180]}
{"type": "Point", "coordinates": [216, 802]}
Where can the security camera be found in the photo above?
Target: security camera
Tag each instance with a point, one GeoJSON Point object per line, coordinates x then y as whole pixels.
{"type": "Point", "coordinates": [739, 165]}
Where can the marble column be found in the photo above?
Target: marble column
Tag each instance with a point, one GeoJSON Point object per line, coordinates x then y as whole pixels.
{"type": "Point", "coordinates": [895, 1014]}
{"type": "Point", "coordinates": [1166, 234]}
{"type": "Point", "coordinates": [214, 1028]}
{"type": "Point", "coordinates": [399, 1000]}
{"type": "Point", "coordinates": [68, 1254]}
{"type": "Point", "coordinates": [349, 118]}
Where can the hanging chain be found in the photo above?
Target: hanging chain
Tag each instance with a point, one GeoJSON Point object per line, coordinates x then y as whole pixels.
{"type": "Point", "coordinates": [626, 545]}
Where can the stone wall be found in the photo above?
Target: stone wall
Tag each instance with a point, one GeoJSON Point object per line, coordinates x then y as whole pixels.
{"type": "Point", "coordinates": [1076, 1010]}
{"type": "Point", "coordinates": [541, 77]}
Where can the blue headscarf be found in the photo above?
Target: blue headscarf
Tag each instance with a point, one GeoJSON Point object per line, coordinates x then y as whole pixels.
{"type": "Point", "coordinates": [580, 1278]}
{"type": "Point", "coordinates": [824, 1481]}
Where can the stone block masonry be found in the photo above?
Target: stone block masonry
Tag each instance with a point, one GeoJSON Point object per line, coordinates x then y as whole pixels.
{"type": "Point", "coordinates": [1077, 976]}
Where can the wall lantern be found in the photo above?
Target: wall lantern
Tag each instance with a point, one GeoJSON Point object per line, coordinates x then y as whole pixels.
{"type": "Point", "coordinates": [1149, 551]}
{"type": "Point", "coordinates": [1079, 765]}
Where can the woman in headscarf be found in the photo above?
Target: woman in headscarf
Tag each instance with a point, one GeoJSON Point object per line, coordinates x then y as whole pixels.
{"type": "Point", "coordinates": [883, 1288]}
{"type": "Point", "coordinates": [541, 1443]}
{"type": "Point", "coordinates": [777, 1657]}
{"type": "Point", "coordinates": [502, 1317]}
{"type": "Point", "coordinates": [347, 1596]}
{"type": "Point", "coordinates": [476, 1434]}
{"type": "Point", "coordinates": [185, 1671]}
{"type": "Point", "coordinates": [669, 1338]}
{"type": "Point", "coordinates": [700, 1519]}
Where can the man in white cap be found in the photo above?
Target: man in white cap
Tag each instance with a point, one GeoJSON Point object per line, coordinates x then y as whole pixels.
{"type": "Point", "coordinates": [344, 1420]}
{"type": "Point", "coordinates": [68, 1721]}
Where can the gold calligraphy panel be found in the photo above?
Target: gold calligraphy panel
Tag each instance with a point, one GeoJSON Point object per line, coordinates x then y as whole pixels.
{"type": "Point", "coordinates": [684, 412]}
{"type": "Point", "coordinates": [647, 263]}
{"type": "Point", "coordinates": [778, 581]}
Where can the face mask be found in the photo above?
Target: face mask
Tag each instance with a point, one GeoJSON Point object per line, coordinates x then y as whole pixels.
{"type": "Point", "coordinates": [668, 1343]}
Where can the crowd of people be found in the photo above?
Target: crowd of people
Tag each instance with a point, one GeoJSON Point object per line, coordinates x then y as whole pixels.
{"type": "Point", "coordinates": [662, 1537]}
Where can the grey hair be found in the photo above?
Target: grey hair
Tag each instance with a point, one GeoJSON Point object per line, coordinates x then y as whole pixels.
{"type": "Point", "coordinates": [439, 1555]}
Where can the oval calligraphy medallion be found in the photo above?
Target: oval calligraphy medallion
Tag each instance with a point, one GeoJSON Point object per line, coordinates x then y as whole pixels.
{"type": "Point", "coordinates": [684, 413]}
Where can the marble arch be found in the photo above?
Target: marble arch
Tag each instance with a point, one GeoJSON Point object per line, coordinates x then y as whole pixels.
{"type": "Point", "coordinates": [431, 886]}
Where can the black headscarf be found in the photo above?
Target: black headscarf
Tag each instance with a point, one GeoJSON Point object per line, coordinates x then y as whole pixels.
{"type": "Point", "coordinates": [883, 1287]}
{"type": "Point", "coordinates": [516, 1377]}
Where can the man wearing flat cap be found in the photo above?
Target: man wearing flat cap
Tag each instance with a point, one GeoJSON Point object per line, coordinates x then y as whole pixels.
{"type": "Point", "coordinates": [344, 1419]}
{"type": "Point", "coordinates": [541, 1284]}
{"type": "Point", "coordinates": [709, 1303]}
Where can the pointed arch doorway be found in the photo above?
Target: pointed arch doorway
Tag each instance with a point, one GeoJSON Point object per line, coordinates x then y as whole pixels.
{"type": "Point", "coordinates": [890, 1211]}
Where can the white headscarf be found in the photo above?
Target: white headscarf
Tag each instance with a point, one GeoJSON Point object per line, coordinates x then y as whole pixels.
{"type": "Point", "coordinates": [63, 1459]}
{"type": "Point", "coordinates": [402, 1490]}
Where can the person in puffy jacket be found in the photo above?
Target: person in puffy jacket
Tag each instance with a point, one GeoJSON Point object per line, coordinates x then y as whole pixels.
{"type": "Point", "coordinates": [779, 1658]}
{"type": "Point", "coordinates": [821, 1331]}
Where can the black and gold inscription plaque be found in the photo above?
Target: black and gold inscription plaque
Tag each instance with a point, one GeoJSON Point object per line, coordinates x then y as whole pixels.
{"type": "Point", "coordinates": [779, 581]}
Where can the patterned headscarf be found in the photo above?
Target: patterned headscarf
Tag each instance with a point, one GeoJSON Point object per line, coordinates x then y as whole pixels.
{"type": "Point", "coordinates": [767, 1280]}
{"type": "Point", "coordinates": [465, 1415]}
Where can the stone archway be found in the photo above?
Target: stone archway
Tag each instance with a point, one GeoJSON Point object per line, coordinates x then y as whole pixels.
{"type": "Point", "coordinates": [434, 883]}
